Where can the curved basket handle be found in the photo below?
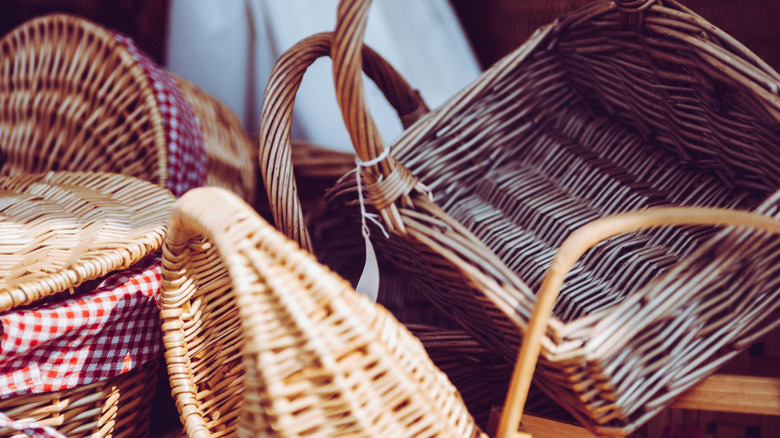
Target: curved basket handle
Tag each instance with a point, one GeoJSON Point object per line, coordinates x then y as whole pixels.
{"type": "Point", "coordinates": [276, 118]}
{"type": "Point", "coordinates": [571, 250]}
{"type": "Point", "coordinates": [346, 52]}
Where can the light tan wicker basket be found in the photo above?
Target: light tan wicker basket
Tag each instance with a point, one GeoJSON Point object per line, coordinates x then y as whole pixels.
{"type": "Point", "coordinates": [57, 231]}
{"type": "Point", "coordinates": [72, 97]}
{"type": "Point", "coordinates": [619, 106]}
{"type": "Point", "coordinates": [318, 359]}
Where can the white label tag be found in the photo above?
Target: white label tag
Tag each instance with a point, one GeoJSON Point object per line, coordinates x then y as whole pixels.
{"type": "Point", "coordinates": [368, 284]}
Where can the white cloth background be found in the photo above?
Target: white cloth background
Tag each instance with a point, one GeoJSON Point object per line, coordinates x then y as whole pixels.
{"type": "Point", "coordinates": [228, 47]}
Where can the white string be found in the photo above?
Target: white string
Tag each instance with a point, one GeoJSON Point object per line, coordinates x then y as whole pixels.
{"type": "Point", "coordinates": [373, 217]}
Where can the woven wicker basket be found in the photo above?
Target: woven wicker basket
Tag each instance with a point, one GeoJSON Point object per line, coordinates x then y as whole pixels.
{"type": "Point", "coordinates": [252, 320]}
{"type": "Point", "coordinates": [58, 231]}
{"type": "Point", "coordinates": [73, 97]}
{"type": "Point", "coordinates": [617, 107]}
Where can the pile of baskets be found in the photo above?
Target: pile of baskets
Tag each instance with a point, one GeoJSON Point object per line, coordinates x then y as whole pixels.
{"type": "Point", "coordinates": [598, 211]}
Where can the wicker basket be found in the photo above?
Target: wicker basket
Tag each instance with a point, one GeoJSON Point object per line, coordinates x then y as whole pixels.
{"type": "Point", "coordinates": [617, 107]}
{"type": "Point", "coordinates": [75, 96]}
{"type": "Point", "coordinates": [252, 320]}
{"type": "Point", "coordinates": [59, 231]}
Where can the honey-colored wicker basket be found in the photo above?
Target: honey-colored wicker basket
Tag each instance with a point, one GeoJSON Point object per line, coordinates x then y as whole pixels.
{"type": "Point", "coordinates": [75, 97]}
{"type": "Point", "coordinates": [614, 109]}
{"type": "Point", "coordinates": [58, 231]}
{"type": "Point", "coordinates": [251, 320]}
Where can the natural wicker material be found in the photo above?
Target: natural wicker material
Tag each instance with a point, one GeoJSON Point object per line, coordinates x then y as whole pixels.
{"type": "Point", "coordinates": [231, 154]}
{"type": "Point", "coordinates": [618, 106]}
{"type": "Point", "coordinates": [319, 359]}
{"type": "Point", "coordinates": [64, 228]}
{"type": "Point", "coordinates": [118, 407]}
{"type": "Point", "coordinates": [58, 230]}
{"type": "Point", "coordinates": [73, 98]}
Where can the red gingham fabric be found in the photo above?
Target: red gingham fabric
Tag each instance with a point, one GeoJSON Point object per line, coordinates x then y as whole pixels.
{"type": "Point", "coordinates": [186, 150]}
{"type": "Point", "coordinates": [85, 338]}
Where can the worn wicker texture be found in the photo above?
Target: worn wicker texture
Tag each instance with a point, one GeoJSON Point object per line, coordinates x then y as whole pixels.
{"type": "Point", "coordinates": [63, 228]}
{"type": "Point", "coordinates": [73, 98]}
{"type": "Point", "coordinates": [318, 359]}
{"type": "Point", "coordinates": [231, 154]}
{"type": "Point", "coordinates": [118, 407]}
{"type": "Point", "coordinates": [59, 230]}
{"type": "Point", "coordinates": [497, 27]}
{"type": "Point", "coordinates": [618, 106]}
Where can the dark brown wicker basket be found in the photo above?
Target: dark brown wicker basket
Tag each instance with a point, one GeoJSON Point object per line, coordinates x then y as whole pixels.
{"type": "Point", "coordinates": [611, 111]}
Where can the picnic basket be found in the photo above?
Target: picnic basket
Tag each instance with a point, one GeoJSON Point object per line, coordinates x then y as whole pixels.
{"type": "Point", "coordinates": [79, 285]}
{"type": "Point", "coordinates": [77, 96]}
{"type": "Point", "coordinates": [626, 115]}
{"type": "Point", "coordinates": [252, 321]}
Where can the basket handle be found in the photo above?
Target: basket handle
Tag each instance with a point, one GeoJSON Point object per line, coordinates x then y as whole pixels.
{"type": "Point", "coordinates": [571, 250]}
{"type": "Point", "coordinates": [276, 118]}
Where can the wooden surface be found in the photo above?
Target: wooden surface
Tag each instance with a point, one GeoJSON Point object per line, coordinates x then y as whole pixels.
{"type": "Point", "coordinates": [538, 427]}
{"type": "Point", "coordinates": [727, 393]}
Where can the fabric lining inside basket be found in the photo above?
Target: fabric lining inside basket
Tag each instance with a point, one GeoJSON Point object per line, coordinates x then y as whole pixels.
{"type": "Point", "coordinates": [561, 164]}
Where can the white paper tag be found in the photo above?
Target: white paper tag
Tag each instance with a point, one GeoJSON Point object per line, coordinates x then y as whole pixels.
{"type": "Point", "coordinates": [368, 284]}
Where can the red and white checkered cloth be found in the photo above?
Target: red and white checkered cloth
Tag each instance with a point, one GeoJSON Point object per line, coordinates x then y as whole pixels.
{"type": "Point", "coordinates": [82, 339]}
{"type": "Point", "coordinates": [85, 338]}
{"type": "Point", "coordinates": [186, 150]}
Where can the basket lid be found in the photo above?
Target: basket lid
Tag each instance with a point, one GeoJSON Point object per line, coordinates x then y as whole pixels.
{"type": "Point", "coordinates": [61, 229]}
{"type": "Point", "coordinates": [76, 96]}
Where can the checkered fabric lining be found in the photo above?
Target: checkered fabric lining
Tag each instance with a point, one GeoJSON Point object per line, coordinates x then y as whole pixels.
{"type": "Point", "coordinates": [85, 338]}
{"type": "Point", "coordinates": [81, 339]}
{"type": "Point", "coordinates": [186, 150]}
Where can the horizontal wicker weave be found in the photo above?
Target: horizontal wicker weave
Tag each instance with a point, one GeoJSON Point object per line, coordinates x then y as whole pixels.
{"type": "Point", "coordinates": [318, 359]}
{"type": "Point", "coordinates": [616, 107]}
{"type": "Point", "coordinates": [118, 407]}
{"type": "Point", "coordinates": [74, 98]}
{"type": "Point", "coordinates": [58, 230]}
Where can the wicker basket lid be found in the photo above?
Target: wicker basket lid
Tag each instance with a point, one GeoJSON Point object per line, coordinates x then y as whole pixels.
{"type": "Point", "coordinates": [61, 229]}
{"type": "Point", "coordinates": [76, 96]}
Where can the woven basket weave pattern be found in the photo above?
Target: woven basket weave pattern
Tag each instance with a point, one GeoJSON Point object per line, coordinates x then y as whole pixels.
{"type": "Point", "coordinates": [319, 359]}
{"type": "Point", "coordinates": [619, 106]}
{"type": "Point", "coordinates": [61, 110]}
{"type": "Point", "coordinates": [75, 96]}
{"type": "Point", "coordinates": [61, 230]}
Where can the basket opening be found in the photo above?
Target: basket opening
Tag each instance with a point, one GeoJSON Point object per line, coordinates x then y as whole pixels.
{"type": "Point", "coordinates": [571, 135]}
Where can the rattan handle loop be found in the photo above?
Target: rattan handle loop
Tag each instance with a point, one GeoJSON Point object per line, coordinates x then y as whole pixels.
{"type": "Point", "coordinates": [347, 59]}
{"type": "Point", "coordinates": [571, 250]}
{"type": "Point", "coordinates": [276, 118]}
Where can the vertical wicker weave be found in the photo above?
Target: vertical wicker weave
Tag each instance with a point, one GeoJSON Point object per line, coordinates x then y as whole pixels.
{"type": "Point", "coordinates": [73, 98]}
{"type": "Point", "coordinates": [616, 107]}
{"type": "Point", "coordinates": [57, 231]}
{"type": "Point", "coordinates": [318, 359]}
